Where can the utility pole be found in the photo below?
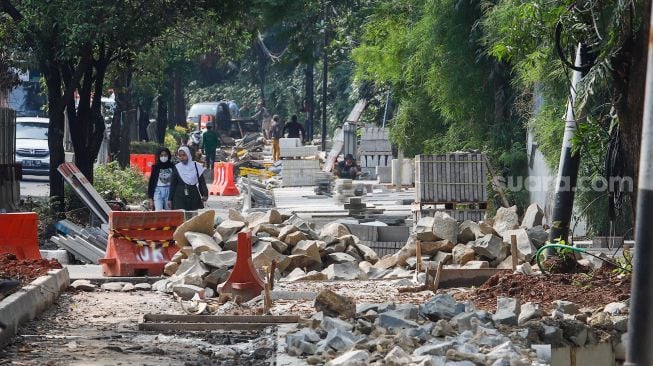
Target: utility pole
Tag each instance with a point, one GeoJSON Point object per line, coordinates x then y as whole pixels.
{"type": "Point", "coordinates": [568, 166]}
{"type": "Point", "coordinates": [640, 327]}
{"type": "Point", "coordinates": [325, 79]}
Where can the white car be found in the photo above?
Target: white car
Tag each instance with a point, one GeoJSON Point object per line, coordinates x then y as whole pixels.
{"type": "Point", "coordinates": [32, 149]}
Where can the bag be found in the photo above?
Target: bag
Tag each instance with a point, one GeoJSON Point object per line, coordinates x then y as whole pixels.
{"type": "Point", "coordinates": [198, 186]}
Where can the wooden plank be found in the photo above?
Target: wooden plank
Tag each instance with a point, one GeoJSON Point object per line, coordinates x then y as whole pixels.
{"type": "Point", "coordinates": [458, 277]}
{"type": "Point", "coordinates": [513, 251]}
{"type": "Point", "coordinates": [203, 326]}
{"type": "Point", "coordinates": [220, 318]}
{"type": "Point", "coordinates": [477, 178]}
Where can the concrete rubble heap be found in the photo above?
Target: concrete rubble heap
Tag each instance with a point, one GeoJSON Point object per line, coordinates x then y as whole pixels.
{"type": "Point", "coordinates": [445, 332]}
{"type": "Point", "coordinates": [208, 251]}
{"type": "Point", "coordinates": [468, 244]}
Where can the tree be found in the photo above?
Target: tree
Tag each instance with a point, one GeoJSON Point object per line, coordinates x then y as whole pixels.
{"type": "Point", "coordinates": [75, 43]}
{"type": "Point", "coordinates": [451, 95]}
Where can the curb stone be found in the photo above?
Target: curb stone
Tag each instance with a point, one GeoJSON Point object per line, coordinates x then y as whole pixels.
{"type": "Point", "coordinates": [30, 301]}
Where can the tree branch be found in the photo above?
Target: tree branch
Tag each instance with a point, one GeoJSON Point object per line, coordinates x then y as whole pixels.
{"type": "Point", "coordinates": [10, 9]}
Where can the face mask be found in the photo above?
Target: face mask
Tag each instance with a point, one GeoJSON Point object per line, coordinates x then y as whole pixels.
{"type": "Point", "coordinates": [164, 159]}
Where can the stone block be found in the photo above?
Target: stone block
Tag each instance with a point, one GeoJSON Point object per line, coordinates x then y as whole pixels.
{"type": "Point", "coordinates": [335, 305]}
{"type": "Point", "coordinates": [223, 259]}
{"type": "Point", "coordinates": [506, 219]}
{"type": "Point", "coordinates": [201, 242]}
{"type": "Point", "coordinates": [344, 271]}
{"type": "Point", "coordinates": [229, 228]}
{"type": "Point", "coordinates": [202, 223]}
{"type": "Point", "coordinates": [533, 216]}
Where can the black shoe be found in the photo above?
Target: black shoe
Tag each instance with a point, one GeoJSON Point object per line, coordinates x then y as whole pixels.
{"type": "Point", "coordinates": [8, 286]}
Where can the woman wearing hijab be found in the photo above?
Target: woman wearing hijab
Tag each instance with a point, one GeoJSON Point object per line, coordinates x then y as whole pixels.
{"type": "Point", "coordinates": [188, 187]}
{"type": "Point", "coordinates": [158, 187]}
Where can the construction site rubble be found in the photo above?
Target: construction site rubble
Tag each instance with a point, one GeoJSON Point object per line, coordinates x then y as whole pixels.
{"type": "Point", "coordinates": [443, 331]}
{"type": "Point", "coordinates": [208, 252]}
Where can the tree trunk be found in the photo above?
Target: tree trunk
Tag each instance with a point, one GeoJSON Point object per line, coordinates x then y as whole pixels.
{"type": "Point", "coordinates": [310, 99]}
{"type": "Point", "coordinates": [55, 132]}
{"type": "Point", "coordinates": [120, 137]}
{"type": "Point", "coordinates": [630, 79]}
{"type": "Point", "coordinates": [180, 104]}
{"type": "Point", "coordinates": [161, 118]}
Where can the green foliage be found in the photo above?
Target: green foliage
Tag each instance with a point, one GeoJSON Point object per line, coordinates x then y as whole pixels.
{"type": "Point", "coordinates": [143, 147]}
{"type": "Point", "coordinates": [451, 95]}
{"type": "Point", "coordinates": [114, 183]}
{"type": "Point", "coordinates": [625, 263]}
{"type": "Point", "coordinates": [171, 142]}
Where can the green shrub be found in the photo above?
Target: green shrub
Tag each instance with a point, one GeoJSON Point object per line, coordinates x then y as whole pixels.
{"type": "Point", "coordinates": [114, 183]}
{"type": "Point", "coordinates": [143, 147]}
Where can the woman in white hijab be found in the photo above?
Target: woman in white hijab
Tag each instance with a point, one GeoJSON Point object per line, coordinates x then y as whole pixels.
{"type": "Point", "coordinates": [188, 187]}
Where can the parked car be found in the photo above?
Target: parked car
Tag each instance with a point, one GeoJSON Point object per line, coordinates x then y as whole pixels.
{"type": "Point", "coordinates": [32, 145]}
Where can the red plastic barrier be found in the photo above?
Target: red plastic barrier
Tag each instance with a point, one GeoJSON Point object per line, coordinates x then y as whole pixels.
{"type": "Point", "coordinates": [214, 189]}
{"type": "Point", "coordinates": [206, 118]}
{"type": "Point", "coordinates": [127, 258]}
{"type": "Point", "coordinates": [223, 180]}
{"type": "Point", "coordinates": [143, 162]}
{"type": "Point", "coordinates": [243, 279]}
{"type": "Point", "coordinates": [18, 235]}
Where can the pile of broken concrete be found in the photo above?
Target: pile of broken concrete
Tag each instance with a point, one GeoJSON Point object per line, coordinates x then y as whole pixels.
{"type": "Point", "coordinates": [208, 251]}
{"type": "Point", "coordinates": [470, 244]}
{"type": "Point", "coordinates": [445, 332]}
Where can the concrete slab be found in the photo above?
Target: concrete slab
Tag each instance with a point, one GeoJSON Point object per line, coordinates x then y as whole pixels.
{"type": "Point", "coordinates": [30, 301]}
{"type": "Point", "coordinates": [93, 273]}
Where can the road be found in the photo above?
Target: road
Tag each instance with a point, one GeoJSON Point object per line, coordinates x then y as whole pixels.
{"type": "Point", "coordinates": [101, 328]}
{"type": "Point", "coordinates": [34, 186]}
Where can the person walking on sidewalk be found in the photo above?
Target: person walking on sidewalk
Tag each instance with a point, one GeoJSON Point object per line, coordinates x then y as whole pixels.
{"type": "Point", "coordinates": [276, 132]}
{"type": "Point", "coordinates": [210, 142]}
{"type": "Point", "coordinates": [158, 187]}
{"type": "Point", "coordinates": [188, 188]}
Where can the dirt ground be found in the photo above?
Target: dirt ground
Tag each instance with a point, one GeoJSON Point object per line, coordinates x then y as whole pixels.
{"type": "Point", "coordinates": [586, 290]}
{"type": "Point", "coordinates": [25, 270]}
{"type": "Point", "coordinates": [101, 328]}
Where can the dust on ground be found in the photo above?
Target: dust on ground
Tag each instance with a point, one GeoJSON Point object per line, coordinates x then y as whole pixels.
{"type": "Point", "coordinates": [101, 328]}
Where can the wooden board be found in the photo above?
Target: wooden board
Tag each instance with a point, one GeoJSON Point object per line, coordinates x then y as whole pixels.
{"type": "Point", "coordinates": [160, 322]}
{"type": "Point", "coordinates": [466, 277]}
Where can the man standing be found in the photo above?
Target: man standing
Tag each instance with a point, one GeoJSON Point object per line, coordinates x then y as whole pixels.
{"type": "Point", "coordinates": [263, 116]}
{"type": "Point", "coordinates": [276, 132]}
{"type": "Point", "coordinates": [234, 111]}
{"type": "Point", "coordinates": [209, 144]}
{"type": "Point", "coordinates": [294, 129]}
{"type": "Point", "coordinates": [244, 111]}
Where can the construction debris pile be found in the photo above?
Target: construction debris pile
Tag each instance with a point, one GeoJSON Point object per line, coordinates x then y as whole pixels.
{"type": "Point", "coordinates": [208, 252]}
{"type": "Point", "coordinates": [472, 245]}
{"type": "Point", "coordinates": [443, 331]}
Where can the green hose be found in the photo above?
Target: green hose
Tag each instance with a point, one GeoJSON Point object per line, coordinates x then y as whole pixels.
{"type": "Point", "coordinates": [539, 251]}
{"type": "Point", "coordinates": [580, 250]}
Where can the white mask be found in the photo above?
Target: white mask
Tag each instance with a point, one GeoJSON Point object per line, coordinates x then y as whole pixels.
{"type": "Point", "coordinates": [164, 159]}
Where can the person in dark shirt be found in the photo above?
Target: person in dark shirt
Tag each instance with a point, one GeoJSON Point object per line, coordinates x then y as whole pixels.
{"type": "Point", "coordinates": [347, 169]}
{"type": "Point", "coordinates": [158, 187]}
{"type": "Point", "coordinates": [276, 132]}
{"type": "Point", "coordinates": [210, 142]}
{"type": "Point", "coordinates": [294, 129]}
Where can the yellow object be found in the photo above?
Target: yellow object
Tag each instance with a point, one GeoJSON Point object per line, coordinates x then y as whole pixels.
{"type": "Point", "coordinates": [243, 172]}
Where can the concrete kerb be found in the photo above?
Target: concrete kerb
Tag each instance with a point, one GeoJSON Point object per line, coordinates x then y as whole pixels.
{"type": "Point", "coordinates": [30, 301]}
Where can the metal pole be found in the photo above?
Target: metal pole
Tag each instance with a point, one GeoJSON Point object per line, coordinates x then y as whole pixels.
{"type": "Point", "coordinates": [640, 327]}
{"type": "Point", "coordinates": [385, 111]}
{"type": "Point", "coordinates": [567, 168]}
{"type": "Point", "coordinates": [325, 61]}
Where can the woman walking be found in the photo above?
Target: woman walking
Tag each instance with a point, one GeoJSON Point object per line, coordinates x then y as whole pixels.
{"type": "Point", "coordinates": [158, 187]}
{"type": "Point", "coordinates": [188, 188]}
